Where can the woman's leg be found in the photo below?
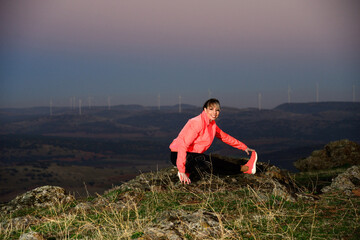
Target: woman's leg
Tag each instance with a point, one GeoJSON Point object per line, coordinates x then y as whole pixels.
{"type": "Point", "coordinates": [196, 163]}
{"type": "Point", "coordinates": [200, 163]}
{"type": "Point", "coordinates": [173, 157]}
{"type": "Point", "coordinates": [224, 167]}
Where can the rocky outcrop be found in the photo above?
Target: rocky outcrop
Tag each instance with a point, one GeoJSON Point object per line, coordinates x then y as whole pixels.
{"type": "Point", "coordinates": [41, 197]}
{"type": "Point", "coordinates": [45, 196]}
{"type": "Point", "coordinates": [269, 180]}
{"type": "Point", "coordinates": [31, 236]}
{"type": "Point", "coordinates": [347, 182]}
{"type": "Point", "coordinates": [335, 154]}
{"type": "Point", "coordinates": [186, 218]}
{"type": "Point", "coordinates": [178, 223]}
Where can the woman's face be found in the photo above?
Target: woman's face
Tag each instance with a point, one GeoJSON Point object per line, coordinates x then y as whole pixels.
{"type": "Point", "coordinates": [212, 112]}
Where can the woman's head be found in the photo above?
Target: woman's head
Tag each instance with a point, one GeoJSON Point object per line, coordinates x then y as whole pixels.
{"type": "Point", "coordinates": [212, 108]}
{"type": "Point", "coordinates": [211, 102]}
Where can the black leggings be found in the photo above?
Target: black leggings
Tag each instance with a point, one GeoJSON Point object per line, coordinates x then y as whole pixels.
{"type": "Point", "coordinates": [200, 163]}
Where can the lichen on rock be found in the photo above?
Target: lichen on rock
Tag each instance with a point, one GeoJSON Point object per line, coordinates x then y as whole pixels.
{"type": "Point", "coordinates": [335, 154]}
{"type": "Point", "coordinates": [345, 182]}
{"type": "Point", "coordinates": [31, 236]}
{"type": "Point", "coordinates": [45, 196]}
{"type": "Point", "coordinates": [178, 223]}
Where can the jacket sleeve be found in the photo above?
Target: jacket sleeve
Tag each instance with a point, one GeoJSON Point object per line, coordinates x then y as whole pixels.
{"type": "Point", "coordinates": [187, 137]}
{"type": "Point", "coordinates": [226, 138]}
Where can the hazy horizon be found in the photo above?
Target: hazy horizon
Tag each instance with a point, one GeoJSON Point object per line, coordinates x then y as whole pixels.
{"type": "Point", "coordinates": [85, 106]}
{"type": "Point", "coordinates": [134, 51]}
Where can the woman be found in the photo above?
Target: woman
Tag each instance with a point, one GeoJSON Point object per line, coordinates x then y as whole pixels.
{"type": "Point", "coordinates": [196, 137]}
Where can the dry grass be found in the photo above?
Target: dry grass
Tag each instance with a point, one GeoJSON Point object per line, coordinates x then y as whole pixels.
{"type": "Point", "coordinates": [244, 213]}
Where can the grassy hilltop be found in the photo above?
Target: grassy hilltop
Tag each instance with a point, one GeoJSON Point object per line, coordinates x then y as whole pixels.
{"type": "Point", "coordinates": [271, 204]}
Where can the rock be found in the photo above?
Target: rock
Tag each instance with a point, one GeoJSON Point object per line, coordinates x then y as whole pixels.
{"type": "Point", "coordinates": [20, 222]}
{"type": "Point", "coordinates": [177, 224]}
{"type": "Point", "coordinates": [347, 182]}
{"type": "Point", "coordinates": [83, 207]}
{"type": "Point", "coordinates": [269, 180]}
{"type": "Point", "coordinates": [335, 154]}
{"type": "Point", "coordinates": [31, 236]}
{"type": "Point", "coordinates": [45, 196]}
{"type": "Point", "coordinates": [153, 181]}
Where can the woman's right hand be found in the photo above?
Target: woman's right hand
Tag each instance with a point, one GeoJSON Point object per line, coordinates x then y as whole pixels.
{"type": "Point", "coordinates": [184, 178]}
{"type": "Point", "coordinates": [247, 150]}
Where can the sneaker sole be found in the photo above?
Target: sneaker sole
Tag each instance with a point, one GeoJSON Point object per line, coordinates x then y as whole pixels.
{"type": "Point", "coordinates": [253, 170]}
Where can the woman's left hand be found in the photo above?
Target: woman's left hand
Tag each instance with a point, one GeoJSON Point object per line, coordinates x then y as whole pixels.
{"type": "Point", "coordinates": [184, 178]}
{"type": "Point", "coordinates": [249, 150]}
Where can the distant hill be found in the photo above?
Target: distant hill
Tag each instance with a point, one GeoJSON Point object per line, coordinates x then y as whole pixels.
{"type": "Point", "coordinates": [310, 108]}
{"type": "Point", "coordinates": [285, 131]}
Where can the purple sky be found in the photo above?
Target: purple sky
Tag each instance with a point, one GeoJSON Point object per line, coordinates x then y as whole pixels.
{"type": "Point", "coordinates": [132, 51]}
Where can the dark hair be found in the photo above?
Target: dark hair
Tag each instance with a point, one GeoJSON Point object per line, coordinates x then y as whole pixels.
{"type": "Point", "coordinates": [210, 102]}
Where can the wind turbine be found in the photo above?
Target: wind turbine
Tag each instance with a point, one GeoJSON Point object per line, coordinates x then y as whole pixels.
{"type": "Point", "coordinates": [353, 93]}
{"type": "Point", "coordinates": [179, 103]}
{"type": "Point", "coordinates": [158, 101]}
{"type": "Point", "coordinates": [89, 102]}
{"type": "Point", "coordinates": [109, 103]}
{"type": "Point", "coordinates": [209, 93]}
{"type": "Point", "coordinates": [289, 94]}
{"type": "Point", "coordinates": [259, 101]}
{"type": "Point", "coordinates": [51, 103]}
{"type": "Point", "coordinates": [317, 92]}
{"type": "Point", "coordinates": [80, 101]}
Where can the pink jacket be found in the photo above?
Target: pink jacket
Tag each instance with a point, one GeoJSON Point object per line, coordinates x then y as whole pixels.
{"type": "Point", "coordinates": [197, 136]}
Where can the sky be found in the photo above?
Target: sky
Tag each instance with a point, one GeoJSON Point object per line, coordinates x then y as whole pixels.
{"type": "Point", "coordinates": [246, 53]}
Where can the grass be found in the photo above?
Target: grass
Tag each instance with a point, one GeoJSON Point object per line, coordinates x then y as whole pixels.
{"type": "Point", "coordinates": [316, 180]}
{"type": "Point", "coordinates": [243, 214]}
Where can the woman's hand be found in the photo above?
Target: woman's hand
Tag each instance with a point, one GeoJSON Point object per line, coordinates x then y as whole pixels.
{"type": "Point", "coordinates": [249, 150]}
{"type": "Point", "coordinates": [184, 178]}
